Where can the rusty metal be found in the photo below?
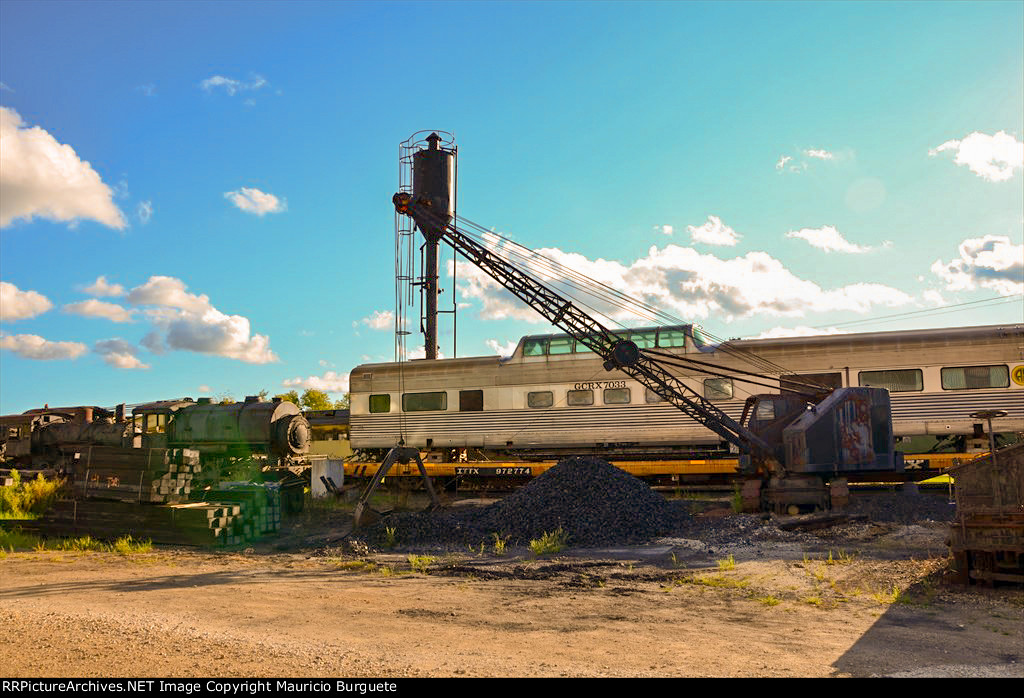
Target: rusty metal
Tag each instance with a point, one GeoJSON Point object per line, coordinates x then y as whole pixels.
{"type": "Point", "coordinates": [987, 537]}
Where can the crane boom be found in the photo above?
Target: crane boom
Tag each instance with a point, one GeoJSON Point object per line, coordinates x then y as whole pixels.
{"type": "Point", "coordinates": [617, 352]}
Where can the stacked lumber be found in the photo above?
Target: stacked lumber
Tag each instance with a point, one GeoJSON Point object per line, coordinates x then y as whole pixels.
{"type": "Point", "coordinates": [225, 518]}
{"type": "Point", "coordinates": [150, 475]}
{"type": "Point", "coordinates": [262, 504]}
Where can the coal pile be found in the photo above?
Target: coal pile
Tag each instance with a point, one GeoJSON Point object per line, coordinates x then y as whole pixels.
{"type": "Point", "coordinates": [592, 501]}
{"type": "Point", "coordinates": [904, 506]}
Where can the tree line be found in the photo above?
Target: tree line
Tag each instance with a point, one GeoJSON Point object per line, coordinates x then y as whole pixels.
{"type": "Point", "coordinates": [309, 400]}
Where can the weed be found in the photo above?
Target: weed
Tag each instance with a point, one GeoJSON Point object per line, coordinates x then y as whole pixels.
{"type": "Point", "coordinates": [813, 600]}
{"type": "Point", "coordinates": [82, 545]}
{"type": "Point", "coordinates": [499, 543]}
{"type": "Point", "coordinates": [843, 559]}
{"type": "Point", "coordinates": [717, 580]}
{"type": "Point", "coordinates": [819, 574]}
{"type": "Point", "coordinates": [727, 564]}
{"type": "Point", "coordinates": [737, 500]}
{"type": "Point", "coordinates": [889, 597]}
{"type": "Point", "coordinates": [127, 545]}
{"type": "Point", "coordinates": [390, 536]}
{"type": "Point", "coordinates": [548, 543]}
{"type": "Point", "coordinates": [386, 570]}
{"type": "Point", "coordinates": [769, 600]}
{"type": "Point", "coordinates": [420, 563]}
{"type": "Point", "coordinates": [352, 564]}
{"type": "Point", "coordinates": [28, 500]}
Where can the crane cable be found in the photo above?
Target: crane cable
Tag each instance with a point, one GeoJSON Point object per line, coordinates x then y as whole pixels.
{"type": "Point", "coordinates": [604, 292]}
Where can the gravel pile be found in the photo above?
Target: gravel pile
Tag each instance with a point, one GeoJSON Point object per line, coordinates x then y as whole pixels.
{"type": "Point", "coordinates": [595, 503]}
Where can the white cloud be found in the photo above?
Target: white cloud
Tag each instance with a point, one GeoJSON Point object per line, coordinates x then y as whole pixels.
{"type": "Point", "coordinates": [799, 331]}
{"type": "Point", "coordinates": [149, 89]}
{"type": "Point", "coordinates": [101, 288]}
{"type": "Point", "coordinates": [989, 262]}
{"type": "Point", "coordinates": [820, 154]}
{"type": "Point", "coordinates": [144, 211]}
{"type": "Point", "coordinates": [506, 349]}
{"type": "Point", "coordinates": [256, 201]}
{"type": "Point", "coordinates": [686, 283]}
{"type": "Point", "coordinates": [934, 297]}
{"type": "Point", "coordinates": [330, 382]}
{"type": "Point", "coordinates": [205, 389]}
{"type": "Point", "coordinates": [31, 346]}
{"type": "Point", "coordinates": [169, 292]}
{"type": "Point", "coordinates": [189, 322]}
{"type": "Point", "coordinates": [993, 158]}
{"type": "Point", "coordinates": [713, 232]}
{"type": "Point", "coordinates": [100, 309]}
{"type": "Point", "coordinates": [16, 304]}
{"type": "Point", "coordinates": [232, 86]}
{"type": "Point", "coordinates": [41, 177]}
{"type": "Point", "coordinates": [420, 352]}
{"type": "Point", "coordinates": [827, 238]}
{"type": "Point", "coordinates": [119, 353]}
{"type": "Point", "coordinates": [380, 320]}
{"type": "Point", "coordinates": [664, 229]}
{"type": "Point", "coordinates": [781, 164]}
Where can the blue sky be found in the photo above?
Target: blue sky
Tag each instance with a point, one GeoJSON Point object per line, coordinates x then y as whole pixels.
{"type": "Point", "coordinates": [227, 169]}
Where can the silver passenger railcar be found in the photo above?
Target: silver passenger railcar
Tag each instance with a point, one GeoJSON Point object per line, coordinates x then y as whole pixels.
{"type": "Point", "coordinates": [553, 397]}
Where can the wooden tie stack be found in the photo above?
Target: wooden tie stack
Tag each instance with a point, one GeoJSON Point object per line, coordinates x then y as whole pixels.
{"type": "Point", "coordinates": [142, 475]}
{"type": "Point", "coordinates": [262, 505]}
{"type": "Point", "coordinates": [228, 517]}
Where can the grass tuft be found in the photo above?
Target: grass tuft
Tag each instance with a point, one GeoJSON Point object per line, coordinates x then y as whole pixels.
{"type": "Point", "coordinates": [420, 563]}
{"type": "Point", "coordinates": [727, 564]}
{"type": "Point", "coordinates": [549, 543]}
{"type": "Point", "coordinates": [126, 545]}
{"type": "Point", "coordinates": [500, 542]}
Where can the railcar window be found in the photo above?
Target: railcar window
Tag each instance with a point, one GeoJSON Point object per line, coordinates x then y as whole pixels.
{"type": "Point", "coordinates": [425, 402]}
{"type": "Point", "coordinates": [535, 347]}
{"type": "Point", "coordinates": [718, 388]}
{"type": "Point", "coordinates": [699, 340]}
{"type": "Point", "coordinates": [541, 398]}
{"type": "Point", "coordinates": [616, 396]}
{"type": "Point", "coordinates": [898, 381]}
{"type": "Point", "coordinates": [471, 400]}
{"type": "Point", "coordinates": [798, 383]}
{"type": "Point", "coordinates": [652, 397]}
{"type": "Point", "coordinates": [672, 338]}
{"type": "Point", "coordinates": [648, 339]}
{"type": "Point", "coordinates": [380, 403]}
{"type": "Point", "coordinates": [579, 398]}
{"type": "Point", "coordinates": [765, 410]}
{"type": "Point", "coordinates": [560, 345]}
{"type": "Point", "coordinates": [974, 377]}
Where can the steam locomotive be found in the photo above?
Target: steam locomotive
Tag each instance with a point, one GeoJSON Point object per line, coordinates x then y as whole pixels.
{"type": "Point", "coordinates": [253, 434]}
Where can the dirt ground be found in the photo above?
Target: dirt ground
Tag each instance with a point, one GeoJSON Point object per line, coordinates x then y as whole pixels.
{"type": "Point", "coordinates": [859, 600]}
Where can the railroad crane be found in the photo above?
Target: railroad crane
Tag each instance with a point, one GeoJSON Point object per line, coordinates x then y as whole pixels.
{"type": "Point", "coordinates": [796, 449]}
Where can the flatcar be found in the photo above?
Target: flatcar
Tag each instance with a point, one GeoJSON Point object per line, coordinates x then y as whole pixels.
{"type": "Point", "coordinates": [552, 397]}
